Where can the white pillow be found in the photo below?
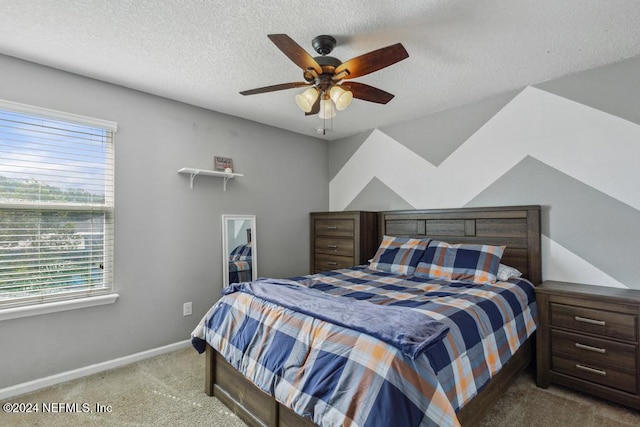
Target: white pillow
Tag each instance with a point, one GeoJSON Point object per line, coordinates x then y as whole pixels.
{"type": "Point", "coordinates": [505, 273]}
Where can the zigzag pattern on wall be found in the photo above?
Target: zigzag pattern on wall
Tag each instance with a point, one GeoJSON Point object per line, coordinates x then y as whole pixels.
{"type": "Point", "coordinates": [561, 142]}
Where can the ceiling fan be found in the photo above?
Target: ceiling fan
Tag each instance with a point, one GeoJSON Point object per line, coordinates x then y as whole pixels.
{"type": "Point", "coordinates": [325, 75]}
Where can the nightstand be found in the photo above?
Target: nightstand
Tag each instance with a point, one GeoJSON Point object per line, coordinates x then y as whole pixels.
{"type": "Point", "coordinates": [342, 239]}
{"type": "Point", "coordinates": [588, 340]}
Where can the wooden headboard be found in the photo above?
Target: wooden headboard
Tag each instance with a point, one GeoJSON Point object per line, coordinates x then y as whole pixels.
{"type": "Point", "coordinates": [516, 227]}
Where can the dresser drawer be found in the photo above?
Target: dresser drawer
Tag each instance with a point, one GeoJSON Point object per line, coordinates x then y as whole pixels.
{"type": "Point", "coordinates": [607, 376]}
{"type": "Point", "coordinates": [606, 323]}
{"type": "Point", "coordinates": [593, 350]}
{"type": "Point", "coordinates": [334, 246]}
{"type": "Point", "coordinates": [332, 262]}
{"type": "Point", "coordinates": [334, 227]}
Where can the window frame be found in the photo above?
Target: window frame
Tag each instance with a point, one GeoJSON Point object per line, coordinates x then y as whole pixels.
{"type": "Point", "coordinates": [75, 299]}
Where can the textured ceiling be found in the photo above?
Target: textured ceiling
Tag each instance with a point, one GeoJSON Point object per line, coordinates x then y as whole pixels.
{"type": "Point", "coordinates": [203, 52]}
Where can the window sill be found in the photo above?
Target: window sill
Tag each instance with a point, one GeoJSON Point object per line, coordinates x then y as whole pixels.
{"type": "Point", "coordinates": [53, 307]}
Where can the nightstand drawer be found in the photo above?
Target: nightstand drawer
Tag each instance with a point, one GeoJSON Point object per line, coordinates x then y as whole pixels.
{"type": "Point", "coordinates": [606, 323]}
{"type": "Point", "coordinates": [332, 262]}
{"type": "Point", "coordinates": [334, 246]}
{"type": "Point", "coordinates": [593, 350]}
{"type": "Point", "coordinates": [607, 376]}
{"type": "Point", "coordinates": [334, 227]}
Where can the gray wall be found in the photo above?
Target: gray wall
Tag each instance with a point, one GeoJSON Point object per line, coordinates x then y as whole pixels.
{"type": "Point", "coordinates": [168, 237]}
{"type": "Point", "coordinates": [569, 144]}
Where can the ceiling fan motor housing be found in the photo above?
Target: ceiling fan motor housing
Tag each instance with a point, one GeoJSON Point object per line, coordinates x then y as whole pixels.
{"type": "Point", "coordinates": [323, 44]}
{"type": "Point", "coordinates": [328, 65]}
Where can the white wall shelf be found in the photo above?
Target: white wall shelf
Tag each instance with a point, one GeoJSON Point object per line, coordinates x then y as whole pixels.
{"type": "Point", "coordinates": [192, 172]}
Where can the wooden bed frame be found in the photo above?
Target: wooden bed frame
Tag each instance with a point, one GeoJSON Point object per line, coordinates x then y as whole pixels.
{"type": "Point", "coordinates": [517, 227]}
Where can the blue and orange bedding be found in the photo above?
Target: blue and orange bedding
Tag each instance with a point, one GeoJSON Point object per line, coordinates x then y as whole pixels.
{"type": "Point", "coordinates": [336, 375]}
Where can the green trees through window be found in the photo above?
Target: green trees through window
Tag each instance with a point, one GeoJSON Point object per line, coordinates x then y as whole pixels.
{"type": "Point", "coordinates": [56, 208]}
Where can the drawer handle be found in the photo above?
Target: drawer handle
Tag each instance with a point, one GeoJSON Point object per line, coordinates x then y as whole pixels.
{"type": "Point", "coordinates": [332, 227]}
{"type": "Point", "coordinates": [332, 263]}
{"type": "Point", "coordinates": [332, 246]}
{"type": "Point", "coordinates": [592, 370]}
{"type": "Point", "coordinates": [592, 321]}
{"type": "Point", "coordinates": [591, 348]}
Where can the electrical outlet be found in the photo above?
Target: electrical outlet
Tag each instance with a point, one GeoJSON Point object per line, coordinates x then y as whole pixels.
{"type": "Point", "coordinates": [187, 309]}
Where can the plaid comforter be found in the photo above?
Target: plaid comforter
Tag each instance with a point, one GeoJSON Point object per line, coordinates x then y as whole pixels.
{"type": "Point", "coordinates": [337, 376]}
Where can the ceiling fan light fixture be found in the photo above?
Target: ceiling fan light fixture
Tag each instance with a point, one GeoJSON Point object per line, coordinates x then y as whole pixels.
{"type": "Point", "coordinates": [306, 99]}
{"type": "Point", "coordinates": [327, 111]}
{"type": "Point", "coordinates": [323, 75]}
{"type": "Point", "coordinates": [342, 98]}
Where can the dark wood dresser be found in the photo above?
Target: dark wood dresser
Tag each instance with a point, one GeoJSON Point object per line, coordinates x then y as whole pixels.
{"type": "Point", "coordinates": [342, 239]}
{"type": "Point", "coordinates": [588, 340]}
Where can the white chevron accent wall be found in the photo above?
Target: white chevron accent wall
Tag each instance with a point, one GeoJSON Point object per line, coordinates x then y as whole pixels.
{"type": "Point", "coordinates": [559, 263]}
{"type": "Point", "coordinates": [578, 140]}
{"type": "Point", "coordinates": [593, 147]}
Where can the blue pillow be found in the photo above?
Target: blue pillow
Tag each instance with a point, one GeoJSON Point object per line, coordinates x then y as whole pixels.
{"type": "Point", "coordinates": [464, 262]}
{"type": "Point", "coordinates": [399, 255]}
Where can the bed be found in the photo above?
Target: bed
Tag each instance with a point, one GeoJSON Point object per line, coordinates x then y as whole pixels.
{"type": "Point", "coordinates": [445, 393]}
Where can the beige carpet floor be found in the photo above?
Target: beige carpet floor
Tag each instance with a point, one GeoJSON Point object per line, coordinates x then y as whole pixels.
{"type": "Point", "coordinates": [167, 390]}
{"type": "Point", "coordinates": [524, 404]}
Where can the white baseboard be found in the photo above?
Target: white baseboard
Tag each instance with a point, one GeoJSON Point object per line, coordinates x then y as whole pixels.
{"type": "Point", "coordinates": [34, 385]}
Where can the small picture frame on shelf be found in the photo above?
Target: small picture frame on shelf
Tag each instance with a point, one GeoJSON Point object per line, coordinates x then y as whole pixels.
{"type": "Point", "coordinates": [223, 164]}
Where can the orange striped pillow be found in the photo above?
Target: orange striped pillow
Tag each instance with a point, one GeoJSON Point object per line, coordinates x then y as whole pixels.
{"type": "Point", "coordinates": [460, 262]}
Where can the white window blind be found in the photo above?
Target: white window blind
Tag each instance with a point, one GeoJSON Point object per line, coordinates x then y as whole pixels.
{"type": "Point", "coordinates": [56, 205]}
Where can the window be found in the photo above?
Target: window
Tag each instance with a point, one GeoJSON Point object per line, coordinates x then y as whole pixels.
{"type": "Point", "coordinates": [56, 206]}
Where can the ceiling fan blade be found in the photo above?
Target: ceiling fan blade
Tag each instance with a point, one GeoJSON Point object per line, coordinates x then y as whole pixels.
{"type": "Point", "coordinates": [294, 52]}
{"type": "Point", "coordinates": [373, 61]}
{"type": "Point", "coordinates": [315, 108]}
{"type": "Point", "coordinates": [368, 93]}
{"type": "Point", "coordinates": [274, 88]}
